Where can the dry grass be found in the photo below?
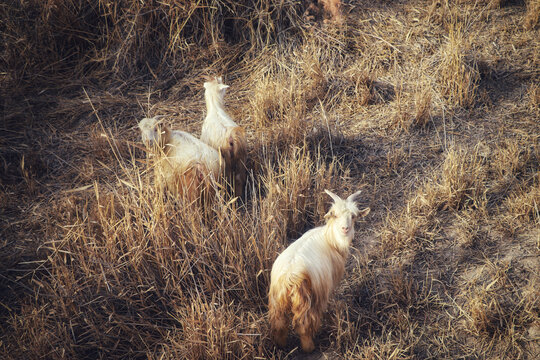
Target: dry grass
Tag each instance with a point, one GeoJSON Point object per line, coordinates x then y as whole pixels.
{"type": "Point", "coordinates": [533, 14]}
{"type": "Point", "coordinates": [458, 73]}
{"type": "Point", "coordinates": [431, 106]}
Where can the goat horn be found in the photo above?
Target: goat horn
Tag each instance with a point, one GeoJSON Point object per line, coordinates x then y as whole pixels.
{"type": "Point", "coordinates": [352, 198]}
{"type": "Point", "coordinates": [332, 195]}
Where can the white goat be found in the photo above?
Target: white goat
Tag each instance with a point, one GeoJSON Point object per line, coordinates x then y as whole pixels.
{"type": "Point", "coordinates": [223, 134]}
{"type": "Point", "coordinates": [305, 274]}
{"type": "Point", "coordinates": [188, 166]}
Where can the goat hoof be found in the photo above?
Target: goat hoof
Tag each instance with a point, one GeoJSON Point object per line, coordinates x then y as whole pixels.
{"type": "Point", "coordinates": [307, 344]}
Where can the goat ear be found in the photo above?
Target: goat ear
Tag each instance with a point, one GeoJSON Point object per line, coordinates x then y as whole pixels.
{"type": "Point", "coordinates": [222, 87]}
{"type": "Point", "coordinates": [332, 195]}
{"type": "Point", "coordinates": [354, 197]}
{"type": "Point", "coordinates": [219, 79]}
{"type": "Point", "coordinates": [364, 212]}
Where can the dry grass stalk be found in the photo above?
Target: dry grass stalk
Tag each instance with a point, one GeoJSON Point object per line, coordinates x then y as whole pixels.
{"type": "Point", "coordinates": [534, 98]}
{"type": "Point", "coordinates": [401, 118]}
{"type": "Point", "coordinates": [468, 229]}
{"type": "Point", "coordinates": [423, 107]}
{"type": "Point", "coordinates": [459, 183]}
{"type": "Point", "coordinates": [493, 318]}
{"type": "Point", "coordinates": [363, 89]}
{"type": "Point", "coordinates": [108, 34]}
{"type": "Point", "coordinates": [458, 74]}
{"type": "Point", "coordinates": [520, 210]}
{"type": "Point", "coordinates": [532, 16]}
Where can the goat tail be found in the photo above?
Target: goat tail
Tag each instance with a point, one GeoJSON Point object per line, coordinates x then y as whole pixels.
{"type": "Point", "coordinates": [235, 154]}
{"type": "Point", "coordinates": [236, 143]}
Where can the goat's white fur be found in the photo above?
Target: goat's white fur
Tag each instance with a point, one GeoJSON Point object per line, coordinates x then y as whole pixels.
{"type": "Point", "coordinates": [179, 153]}
{"type": "Point", "coordinates": [221, 132]}
{"type": "Point", "coordinates": [305, 274]}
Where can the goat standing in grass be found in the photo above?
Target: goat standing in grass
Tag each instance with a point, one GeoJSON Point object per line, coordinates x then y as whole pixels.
{"type": "Point", "coordinates": [222, 133]}
{"type": "Point", "coordinates": [305, 274]}
{"type": "Point", "coordinates": [188, 166]}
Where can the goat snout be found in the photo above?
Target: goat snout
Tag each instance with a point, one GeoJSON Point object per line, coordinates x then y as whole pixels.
{"type": "Point", "coordinates": [345, 229]}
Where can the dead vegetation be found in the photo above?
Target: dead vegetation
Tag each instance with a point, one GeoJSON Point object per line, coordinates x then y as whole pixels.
{"type": "Point", "coordinates": [431, 105]}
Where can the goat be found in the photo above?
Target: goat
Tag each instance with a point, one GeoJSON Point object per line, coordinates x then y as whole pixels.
{"type": "Point", "coordinates": [305, 273]}
{"type": "Point", "coordinates": [188, 167]}
{"type": "Point", "coordinates": [221, 132]}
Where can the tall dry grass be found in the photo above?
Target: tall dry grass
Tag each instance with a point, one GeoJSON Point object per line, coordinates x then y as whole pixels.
{"type": "Point", "coordinates": [532, 17]}
{"type": "Point", "coordinates": [129, 38]}
{"type": "Point", "coordinates": [195, 284]}
{"type": "Point", "coordinates": [458, 72]}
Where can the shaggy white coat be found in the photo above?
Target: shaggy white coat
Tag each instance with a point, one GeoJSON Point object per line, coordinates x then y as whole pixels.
{"type": "Point", "coordinates": [305, 274]}
{"type": "Point", "coordinates": [221, 132]}
{"type": "Point", "coordinates": [217, 123]}
{"type": "Point", "coordinates": [180, 153]}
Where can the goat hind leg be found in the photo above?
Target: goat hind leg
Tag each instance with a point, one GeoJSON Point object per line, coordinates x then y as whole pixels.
{"type": "Point", "coordinates": [306, 339]}
{"type": "Point", "coordinates": [305, 327]}
{"type": "Point", "coordinates": [279, 324]}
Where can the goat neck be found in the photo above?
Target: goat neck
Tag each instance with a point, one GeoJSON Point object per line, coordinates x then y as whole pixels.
{"type": "Point", "coordinates": [214, 102]}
